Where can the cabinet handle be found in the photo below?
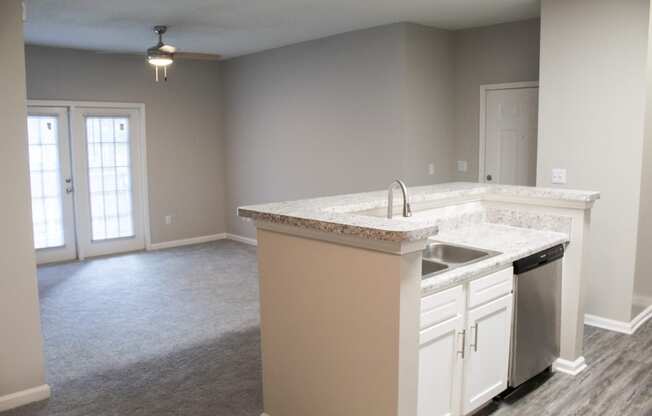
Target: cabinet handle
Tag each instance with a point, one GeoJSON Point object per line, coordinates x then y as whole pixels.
{"type": "Point", "coordinates": [463, 334]}
{"type": "Point", "coordinates": [474, 345]}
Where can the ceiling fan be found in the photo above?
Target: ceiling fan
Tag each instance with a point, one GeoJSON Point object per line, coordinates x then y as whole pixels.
{"type": "Point", "coordinates": [162, 55]}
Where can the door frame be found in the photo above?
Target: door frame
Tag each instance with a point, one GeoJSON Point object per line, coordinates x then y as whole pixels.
{"type": "Point", "coordinates": [484, 89]}
{"type": "Point", "coordinates": [141, 161]}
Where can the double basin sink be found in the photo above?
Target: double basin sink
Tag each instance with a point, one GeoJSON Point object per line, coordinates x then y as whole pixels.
{"type": "Point", "coordinates": [441, 257]}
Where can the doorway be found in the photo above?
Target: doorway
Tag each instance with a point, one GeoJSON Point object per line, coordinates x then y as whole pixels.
{"type": "Point", "coordinates": [87, 179]}
{"type": "Point", "coordinates": [508, 133]}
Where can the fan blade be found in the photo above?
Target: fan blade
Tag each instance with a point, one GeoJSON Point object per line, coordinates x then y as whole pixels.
{"type": "Point", "coordinates": [197, 56]}
{"type": "Point", "coordinates": [108, 52]}
{"type": "Point", "coordinates": [168, 48]}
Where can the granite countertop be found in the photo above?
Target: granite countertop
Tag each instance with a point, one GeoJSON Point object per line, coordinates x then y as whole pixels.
{"type": "Point", "coordinates": [342, 214]}
{"type": "Point", "coordinates": [513, 242]}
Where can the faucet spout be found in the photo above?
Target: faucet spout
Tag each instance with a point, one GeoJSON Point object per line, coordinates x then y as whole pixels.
{"type": "Point", "coordinates": [407, 211]}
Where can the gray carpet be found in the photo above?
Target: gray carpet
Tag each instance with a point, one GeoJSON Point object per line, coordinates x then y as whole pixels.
{"type": "Point", "coordinates": [172, 332]}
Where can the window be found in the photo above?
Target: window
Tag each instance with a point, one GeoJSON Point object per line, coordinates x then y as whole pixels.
{"type": "Point", "coordinates": [109, 174]}
{"type": "Point", "coordinates": [45, 177]}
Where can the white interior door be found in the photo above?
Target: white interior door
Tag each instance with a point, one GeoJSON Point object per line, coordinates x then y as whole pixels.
{"type": "Point", "coordinates": [51, 184]}
{"type": "Point", "coordinates": [510, 123]}
{"type": "Point", "coordinates": [108, 173]}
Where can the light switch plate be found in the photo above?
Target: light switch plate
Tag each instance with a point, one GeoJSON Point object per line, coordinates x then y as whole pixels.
{"type": "Point", "coordinates": [431, 168]}
{"type": "Point", "coordinates": [462, 166]}
{"type": "Point", "coordinates": [559, 176]}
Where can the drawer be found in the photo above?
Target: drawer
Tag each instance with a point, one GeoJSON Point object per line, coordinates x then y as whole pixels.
{"type": "Point", "coordinates": [442, 306]}
{"type": "Point", "coordinates": [491, 287]}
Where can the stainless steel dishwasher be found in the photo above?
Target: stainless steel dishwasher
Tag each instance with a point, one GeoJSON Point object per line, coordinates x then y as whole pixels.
{"type": "Point", "coordinates": [537, 308]}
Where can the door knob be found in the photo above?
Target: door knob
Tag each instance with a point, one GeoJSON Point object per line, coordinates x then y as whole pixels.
{"type": "Point", "coordinates": [489, 177]}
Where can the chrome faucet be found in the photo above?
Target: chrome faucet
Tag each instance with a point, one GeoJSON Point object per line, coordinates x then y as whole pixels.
{"type": "Point", "coordinates": [407, 211]}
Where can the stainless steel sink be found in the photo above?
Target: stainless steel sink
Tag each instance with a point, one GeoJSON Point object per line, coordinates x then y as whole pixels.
{"type": "Point", "coordinates": [452, 254]}
{"type": "Point", "coordinates": [431, 267]}
{"type": "Point", "coordinates": [441, 257]}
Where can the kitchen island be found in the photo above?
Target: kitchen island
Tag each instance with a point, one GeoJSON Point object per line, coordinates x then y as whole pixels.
{"type": "Point", "coordinates": [342, 290]}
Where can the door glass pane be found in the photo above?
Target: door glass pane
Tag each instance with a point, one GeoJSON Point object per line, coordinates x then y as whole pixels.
{"type": "Point", "coordinates": [109, 174]}
{"type": "Point", "coordinates": [45, 178]}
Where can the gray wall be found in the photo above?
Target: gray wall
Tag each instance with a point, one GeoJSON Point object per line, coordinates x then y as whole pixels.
{"type": "Point", "coordinates": [643, 279]}
{"type": "Point", "coordinates": [592, 101]}
{"type": "Point", "coordinates": [184, 144]}
{"type": "Point", "coordinates": [496, 54]}
{"type": "Point", "coordinates": [21, 345]}
{"type": "Point", "coordinates": [346, 113]}
{"type": "Point", "coordinates": [329, 116]}
{"type": "Point", "coordinates": [351, 112]}
{"type": "Point", "coordinates": [427, 127]}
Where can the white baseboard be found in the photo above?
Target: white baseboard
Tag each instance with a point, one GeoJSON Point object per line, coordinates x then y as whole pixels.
{"type": "Point", "coordinates": [608, 324]}
{"type": "Point", "coordinates": [619, 326]}
{"type": "Point", "coordinates": [641, 318]}
{"type": "Point", "coordinates": [246, 240]}
{"type": "Point", "coordinates": [572, 368]}
{"type": "Point", "coordinates": [202, 239]}
{"type": "Point", "coordinates": [187, 241]}
{"type": "Point", "coordinates": [24, 397]}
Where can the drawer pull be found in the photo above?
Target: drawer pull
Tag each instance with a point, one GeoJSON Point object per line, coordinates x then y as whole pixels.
{"type": "Point", "coordinates": [463, 334]}
{"type": "Point", "coordinates": [475, 337]}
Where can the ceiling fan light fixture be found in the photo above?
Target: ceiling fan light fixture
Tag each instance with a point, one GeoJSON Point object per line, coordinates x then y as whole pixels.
{"type": "Point", "coordinates": [158, 56]}
{"type": "Point", "coordinates": [159, 60]}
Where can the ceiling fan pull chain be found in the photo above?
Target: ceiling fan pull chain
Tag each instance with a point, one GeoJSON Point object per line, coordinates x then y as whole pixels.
{"type": "Point", "coordinates": [156, 73]}
{"type": "Point", "coordinates": [165, 73]}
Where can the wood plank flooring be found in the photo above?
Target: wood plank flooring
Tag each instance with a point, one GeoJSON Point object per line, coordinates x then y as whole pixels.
{"type": "Point", "coordinates": [618, 381]}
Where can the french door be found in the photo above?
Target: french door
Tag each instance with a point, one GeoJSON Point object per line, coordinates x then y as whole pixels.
{"type": "Point", "coordinates": [51, 184]}
{"type": "Point", "coordinates": [109, 199]}
{"type": "Point", "coordinates": [98, 183]}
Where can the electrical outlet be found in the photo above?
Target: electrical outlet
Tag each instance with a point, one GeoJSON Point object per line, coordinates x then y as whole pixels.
{"type": "Point", "coordinates": [169, 219]}
{"type": "Point", "coordinates": [462, 166]}
{"type": "Point", "coordinates": [431, 168]}
{"type": "Point", "coordinates": [559, 176]}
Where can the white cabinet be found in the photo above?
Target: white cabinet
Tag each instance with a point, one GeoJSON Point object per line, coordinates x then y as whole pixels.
{"type": "Point", "coordinates": [464, 350]}
{"type": "Point", "coordinates": [487, 360]}
{"type": "Point", "coordinates": [440, 353]}
{"type": "Point", "coordinates": [439, 368]}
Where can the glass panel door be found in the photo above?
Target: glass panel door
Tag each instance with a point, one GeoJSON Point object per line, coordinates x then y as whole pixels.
{"type": "Point", "coordinates": [51, 184]}
{"type": "Point", "coordinates": [109, 173]}
{"type": "Point", "coordinates": [109, 200]}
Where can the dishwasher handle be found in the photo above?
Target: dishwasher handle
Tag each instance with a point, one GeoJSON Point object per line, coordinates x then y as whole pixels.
{"type": "Point", "coordinates": [539, 259]}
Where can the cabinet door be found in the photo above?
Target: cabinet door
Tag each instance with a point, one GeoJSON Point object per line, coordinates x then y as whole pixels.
{"type": "Point", "coordinates": [489, 330]}
{"type": "Point", "coordinates": [440, 367]}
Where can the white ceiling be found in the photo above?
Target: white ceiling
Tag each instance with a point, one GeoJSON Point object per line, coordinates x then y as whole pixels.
{"type": "Point", "coordinates": [238, 27]}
